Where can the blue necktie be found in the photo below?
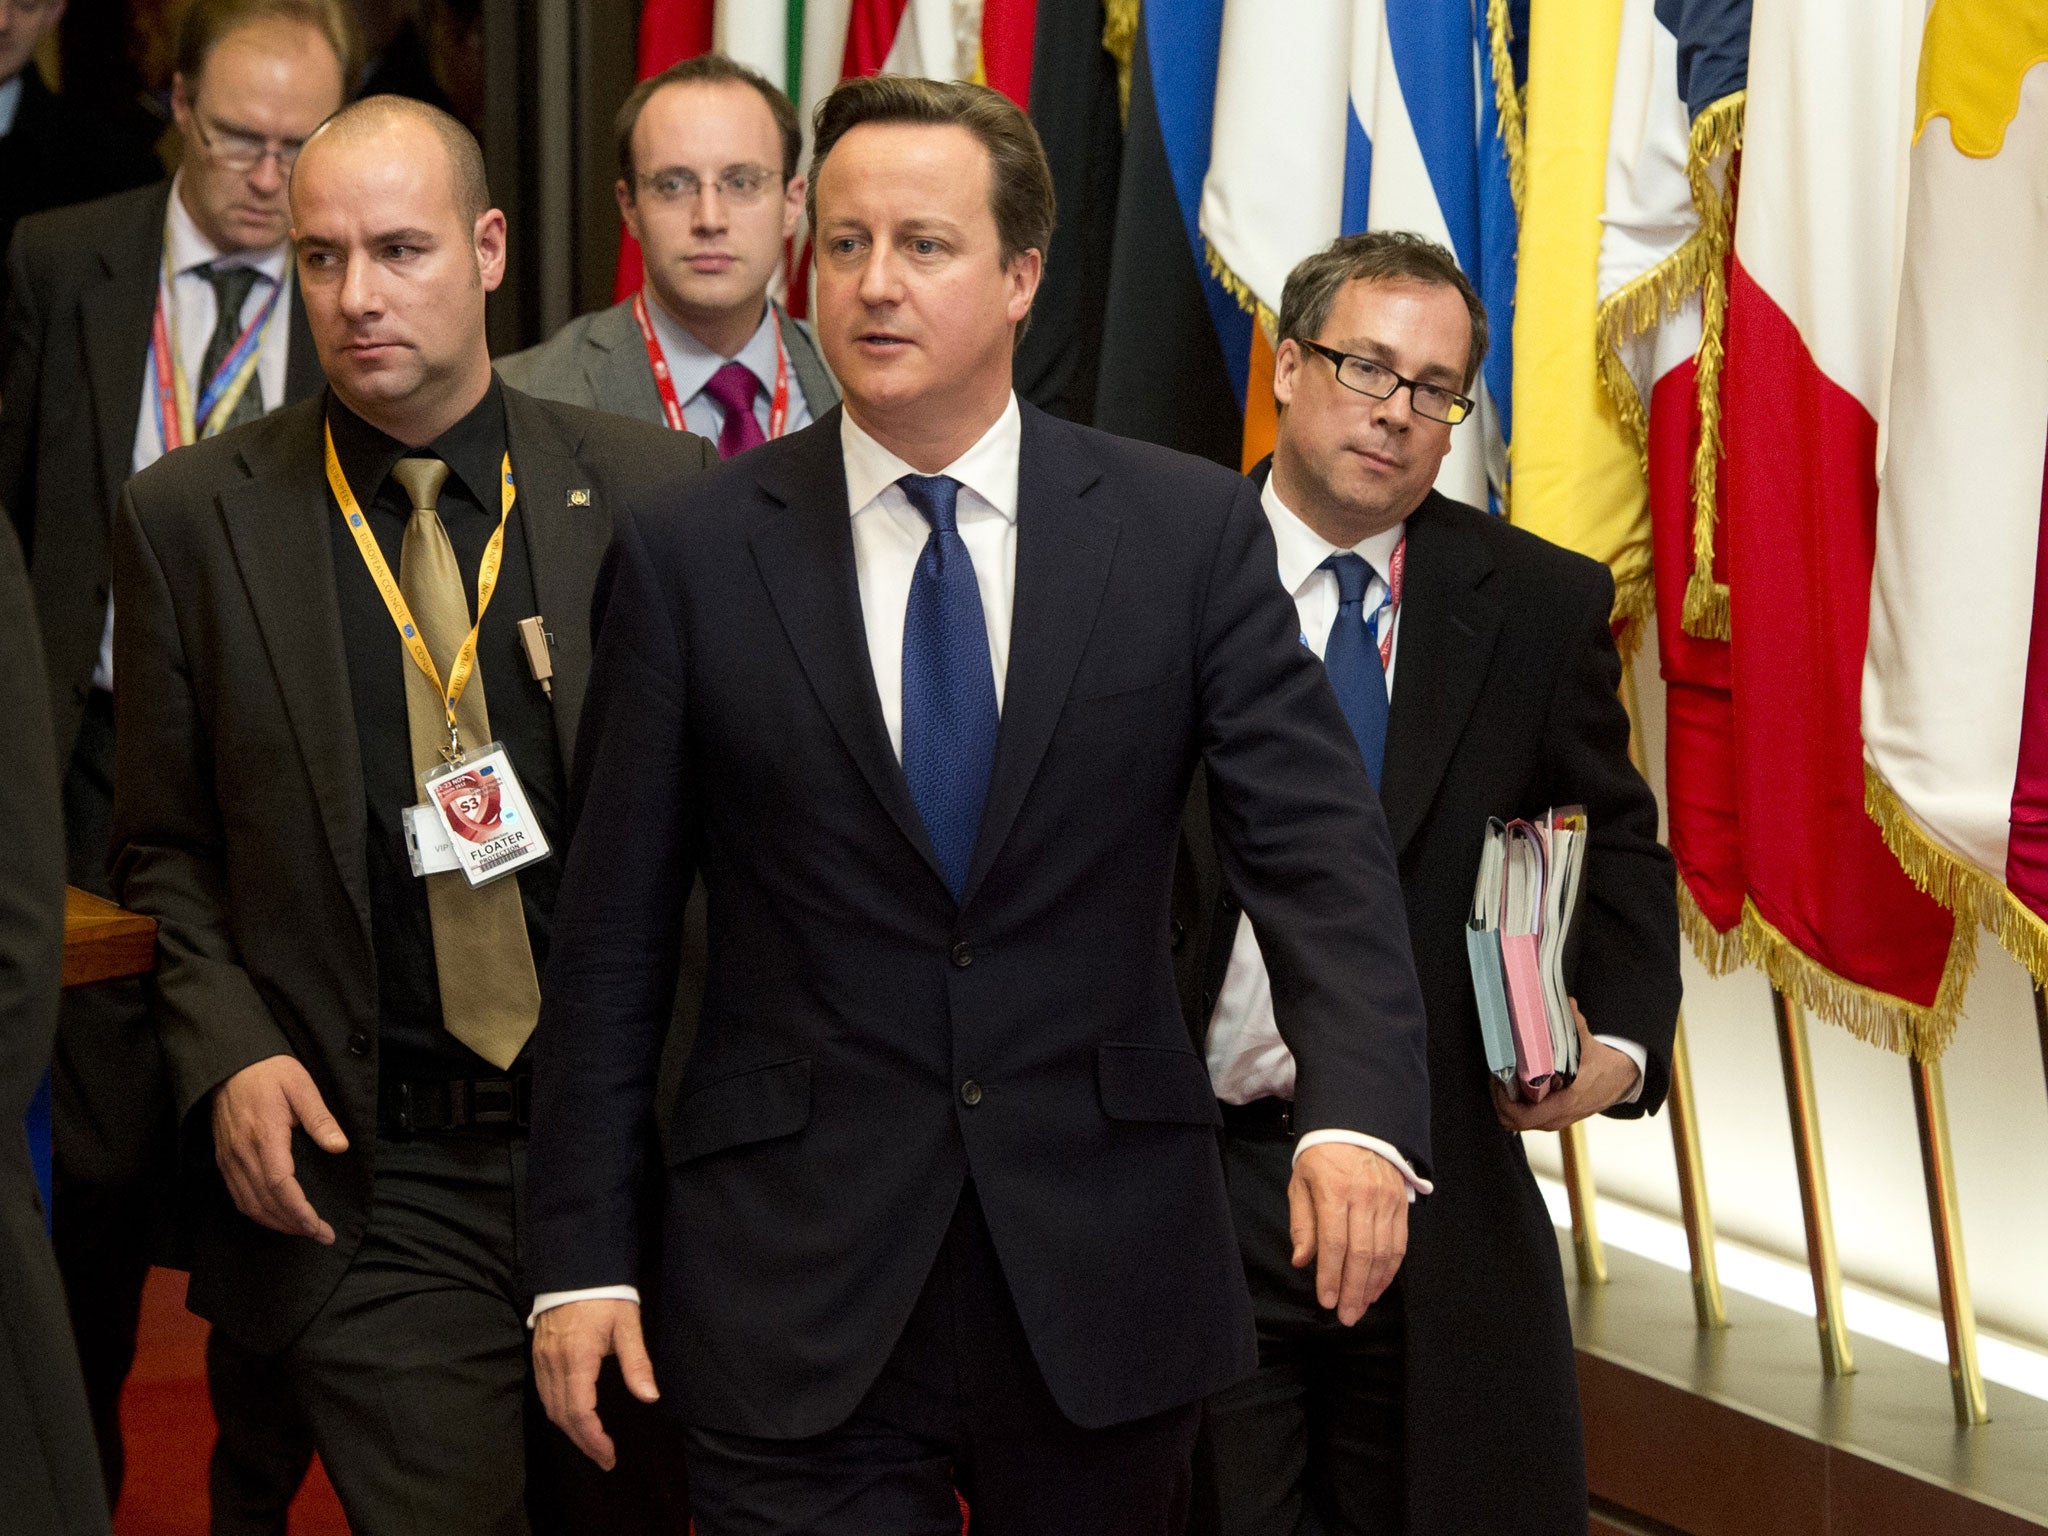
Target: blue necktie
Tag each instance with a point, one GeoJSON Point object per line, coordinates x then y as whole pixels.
{"type": "Point", "coordinates": [1353, 661]}
{"type": "Point", "coordinates": [949, 686]}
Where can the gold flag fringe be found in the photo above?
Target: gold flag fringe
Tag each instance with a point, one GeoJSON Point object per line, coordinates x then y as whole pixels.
{"type": "Point", "coordinates": [1719, 950]}
{"type": "Point", "coordinates": [1877, 1018]}
{"type": "Point", "coordinates": [1966, 888]}
{"type": "Point", "coordinates": [1120, 42]}
{"type": "Point", "coordinates": [1640, 303]}
{"type": "Point", "coordinates": [1507, 100]}
{"type": "Point", "coordinates": [1635, 599]}
{"type": "Point", "coordinates": [1716, 132]}
{"type": "Point", "coordinates": [1241, 291]}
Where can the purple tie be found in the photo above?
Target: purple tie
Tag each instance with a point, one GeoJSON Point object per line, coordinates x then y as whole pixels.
{"type": "Point", "coordinates": [734, 387]}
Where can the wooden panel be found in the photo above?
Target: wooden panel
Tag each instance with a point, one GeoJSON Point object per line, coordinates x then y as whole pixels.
{"type": "Point", "coordinates": [1865, 1496]}
{"type": "Point", "coordinates": [104, 943]}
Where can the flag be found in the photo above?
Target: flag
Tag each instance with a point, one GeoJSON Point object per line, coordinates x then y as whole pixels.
{"type": "Point", "coordinates": [1955, 681]}
{"type": "Point", "coordinates": [1176, 346]}
{"type": "Point", "coordinates": [1577, 477]}
{"type": "Point", "coordinates": [1663, 250]}
{"type": "Point", "coordinates": [1830, 916]}
{"type": "Point", "coordinates": [1336, 116]}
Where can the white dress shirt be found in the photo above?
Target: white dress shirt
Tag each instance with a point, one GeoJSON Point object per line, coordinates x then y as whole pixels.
{"type": "Point", "coordinates": [193, 307]}
{"type": "Point", "coordinates": [691, 365]}
{"type": "Point", "coordinates": [1247, 1058]}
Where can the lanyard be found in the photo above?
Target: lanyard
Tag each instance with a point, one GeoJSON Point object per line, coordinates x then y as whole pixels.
{"type": "Point", "coordinates": [179, 419]}
{"type": "Point", "coordinates": [401, 611]}
{"type": "Point", "coordinates": [672, 408]}
{"type": "Point", "coordinates": [1390, 605]}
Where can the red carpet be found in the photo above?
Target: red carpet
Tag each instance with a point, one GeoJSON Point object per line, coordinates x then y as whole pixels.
{"type": "Point", "coordinates": [169, 1429]}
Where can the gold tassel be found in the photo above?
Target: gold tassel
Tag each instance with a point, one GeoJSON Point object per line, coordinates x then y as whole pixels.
{"type": "Point", "coordinates": [1240, 290]}
{"type": "Point", "coordinates": [1635, 599]}
{"type": "Point", "coordinates": [1716, 132]}
{"type": "Point", "coordinates": [1120, 42]}
{"type": "Point", "coordinates": [1719, 950]}
{"type": "Point", "coordinates": [1635, 307]}
{"type": "Point", "coordinates": [1973, 893]}
{"type": "Point", "coordinates": [1507, 100]}
{"type": "Point", "coordinates": [1877, 1018]}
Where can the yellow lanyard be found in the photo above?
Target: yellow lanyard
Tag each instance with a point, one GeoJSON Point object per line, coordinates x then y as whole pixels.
{"type": "Point", "coordinates": [401, 611]}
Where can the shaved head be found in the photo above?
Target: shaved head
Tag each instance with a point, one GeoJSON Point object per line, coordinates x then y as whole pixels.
{"type": "Point", "coordinates": [375, 116]}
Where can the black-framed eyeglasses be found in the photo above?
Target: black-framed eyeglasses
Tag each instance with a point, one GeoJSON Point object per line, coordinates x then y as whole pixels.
{"type": "Point", "coordinates": [239, 151]}
{"type": "Point", "coordinates": [1379, 382]}
{"type": "Point", "coordinates": [737, 184]}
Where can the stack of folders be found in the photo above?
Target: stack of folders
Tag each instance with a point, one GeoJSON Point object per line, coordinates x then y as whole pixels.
{"type": "Point", "coordinates": [1521, 938]}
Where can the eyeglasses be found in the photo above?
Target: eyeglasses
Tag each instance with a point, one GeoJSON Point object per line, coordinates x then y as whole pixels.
{"type": "Point", "coordinates": [1379, 382]}
{"type": "Point", "coordinates": [239, 151]}
{"type": "Point", "coordinates": [739, 184]}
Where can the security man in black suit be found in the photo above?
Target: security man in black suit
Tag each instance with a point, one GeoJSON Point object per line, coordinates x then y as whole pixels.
{"type": "Point", "coordinates": [315, 612]}
{"type": "Point", "coordinates": [143, 320]}
{"type": "Point", "coordinates": [1479, 675]}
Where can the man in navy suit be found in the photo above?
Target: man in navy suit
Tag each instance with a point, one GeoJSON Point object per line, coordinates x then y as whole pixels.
{"type": "Point", "coordinates": [920, 691]}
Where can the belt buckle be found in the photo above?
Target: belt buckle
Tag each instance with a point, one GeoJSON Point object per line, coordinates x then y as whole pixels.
{"type": "Point", "coordinates": [493, 1102]}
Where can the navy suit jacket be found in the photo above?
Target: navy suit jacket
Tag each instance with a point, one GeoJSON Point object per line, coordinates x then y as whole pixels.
{"type": "Point", "coordinates": [867, 1044]}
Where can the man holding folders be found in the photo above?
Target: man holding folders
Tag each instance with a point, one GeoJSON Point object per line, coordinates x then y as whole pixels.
{"type": "Point", "coordinates": [337, 624]}
{"type": "Point", "coordinates": [920, 690]}
{"type": "Point", "coordinates": [1478, 673]}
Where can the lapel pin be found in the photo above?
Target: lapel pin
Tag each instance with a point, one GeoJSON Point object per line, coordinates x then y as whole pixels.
{"type": "Point", "coordinates": [579, 497]}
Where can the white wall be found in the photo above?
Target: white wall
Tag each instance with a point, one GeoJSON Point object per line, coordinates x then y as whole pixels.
{"type": "Point", "coordinates": [1998, 1114]}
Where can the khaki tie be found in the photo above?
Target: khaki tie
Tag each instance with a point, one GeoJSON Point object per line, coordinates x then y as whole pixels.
{"type": "Point", "coordinates": [490, 998]}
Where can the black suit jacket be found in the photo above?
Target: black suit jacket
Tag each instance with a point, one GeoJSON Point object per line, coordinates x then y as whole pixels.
{"type": "Point", "coordinates": [239, 804]}
{"type": "Point", "coordinates": [866, 1043]}
{"type": "Point", "coordinates": [1504, 705]}
{"type": "Point", "coordinates": [82, 290]}
{"type": "Point", "coordinates": [49, 1474]}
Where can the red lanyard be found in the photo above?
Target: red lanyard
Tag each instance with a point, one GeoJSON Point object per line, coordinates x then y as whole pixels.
{"type": "Point", "coordinates": [179, 419]}
{"type": "Point", "coordinates": [672, 408]}
{"type": "Point", "coordinates": [1396, 567]}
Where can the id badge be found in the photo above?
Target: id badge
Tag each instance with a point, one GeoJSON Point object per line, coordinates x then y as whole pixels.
{"type": "Point", "coordinates": [484, 812]}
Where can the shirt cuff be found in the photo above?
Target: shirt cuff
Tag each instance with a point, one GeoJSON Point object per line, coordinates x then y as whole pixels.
{"type": "Point", "coordinates": [1417, 1184]}
{"type": "Point", "coordinates": [1634, 1053]}
{"type": "Point", "coordinates": [547, 1301]}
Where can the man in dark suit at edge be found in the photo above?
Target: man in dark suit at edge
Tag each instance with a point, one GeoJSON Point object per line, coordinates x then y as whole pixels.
{"type": "Point", "coordinates": [347, 1038]}
{"type": "Point", "coordinates": [88, 397]}
{"type": "Point", "coordinates": [1479, 674]}
{"type": "Point", "coordinates": [920, 690]}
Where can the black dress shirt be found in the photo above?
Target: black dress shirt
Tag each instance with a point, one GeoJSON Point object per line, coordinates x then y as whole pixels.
{"type": "Point", "coordinates": [413, 1041]}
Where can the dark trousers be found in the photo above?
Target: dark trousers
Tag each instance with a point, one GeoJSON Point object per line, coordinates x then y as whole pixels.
{"type": "Point", "coordinates": [417, 1375]}
{"type": "Point", "coordinates": [959, 1404]}
{"type": "Point", "coordinates": [1311, 1443]}
{"type": "Point", "coordinates": [113, 1153]}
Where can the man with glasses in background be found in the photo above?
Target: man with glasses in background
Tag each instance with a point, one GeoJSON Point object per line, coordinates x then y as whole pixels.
{"type": "Point", "coordinates": [708, 185]}
{"type": "Point", "coordinates": [1476, 668]}
{"type": "Point", "coordinates": [136, 324]}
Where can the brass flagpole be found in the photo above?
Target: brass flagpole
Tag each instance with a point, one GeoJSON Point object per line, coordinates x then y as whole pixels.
{"type": "Point", "coordinates": [1587, 1252]}
{"type": "Point", "coordinates": [1958, 1314]}
{"type": "Point", "coordinates": [1822, 1260]}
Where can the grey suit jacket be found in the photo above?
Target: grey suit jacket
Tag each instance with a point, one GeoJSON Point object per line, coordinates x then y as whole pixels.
{"type": "Point", "coordinates": [599, 361]}
{"type": "Point", "coordinates": [49, 1473]}
{"type": "Point", "coordinates": [239, 819]}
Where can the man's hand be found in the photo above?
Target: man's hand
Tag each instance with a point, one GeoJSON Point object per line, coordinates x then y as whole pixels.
{"type": "Point", "coordinates": [569, 1345]}
{"type": "Point", "coordinates": [1606, 1077]}
{"type": "Point", "coordinates": [1347, 1210]}
{"type": "Point", "coordinates": [253, 1115]}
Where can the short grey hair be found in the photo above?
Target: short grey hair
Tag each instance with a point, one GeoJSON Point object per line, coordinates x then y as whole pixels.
{"type": "Point", "coordinates": [1382, 256]}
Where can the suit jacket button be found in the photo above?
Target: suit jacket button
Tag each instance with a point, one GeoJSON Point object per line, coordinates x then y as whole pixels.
{"type": "Point", "coordinates": [1180, 935]}
{"type": "Point", "coordinates": [970, 1093]}
{"type": "Point", "coordinates": [359, 1043]}
{"type": "Point", "coordinates": [963, 954]}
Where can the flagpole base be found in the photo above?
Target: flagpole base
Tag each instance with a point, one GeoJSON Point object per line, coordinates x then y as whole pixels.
{"type": "Point", "coordinates": [1822, 1259]}
{"type": "Point", "coordinates": [1958, 1313]}
{"type": "Point", "coordinates": [1587, 1252]}
{"type": "Point", "coordinates": [1709, 1311]}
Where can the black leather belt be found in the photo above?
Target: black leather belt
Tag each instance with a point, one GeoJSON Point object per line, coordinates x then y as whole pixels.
{"type": "Point", "coordinates": [1261, 1117]}
{"type": "Point", "coordinates": [423, 1106]}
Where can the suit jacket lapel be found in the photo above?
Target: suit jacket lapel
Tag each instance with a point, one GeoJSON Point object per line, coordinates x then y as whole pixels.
{"type": "Point", "coordinates": [114, 314]}
{"type": "Point", "coordinates": [1064, 548]}
{"type": "Point", "coordinates": [276, 522]}
{"type": "Point", "coordinates": [615, 365]}
{"type": "Point", "coordinates": [806, 562]}
{"type": "Point", "coordinates": [1446, 641]}
{"type": "Point", "coordinates": [565, 545]}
